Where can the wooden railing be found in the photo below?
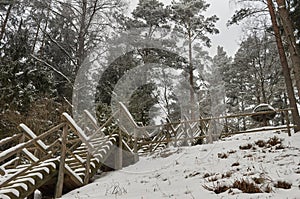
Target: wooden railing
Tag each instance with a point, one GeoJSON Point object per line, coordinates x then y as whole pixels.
{"type": "Point", "coordinates": [189, 132]}
{"type": "Point", "coordinates": [67, 137]}
{"type": "Point", "coordinates": [31, 150]}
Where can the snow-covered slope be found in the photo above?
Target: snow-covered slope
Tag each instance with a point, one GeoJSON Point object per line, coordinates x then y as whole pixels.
{"type": "Point", "coordinates": [191, 172]}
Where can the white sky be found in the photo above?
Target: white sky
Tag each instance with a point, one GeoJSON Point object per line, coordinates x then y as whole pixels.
{"type": "Point", "coordinates": [228, 37]}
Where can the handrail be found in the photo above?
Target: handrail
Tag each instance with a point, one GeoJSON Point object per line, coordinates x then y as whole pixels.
{"type": "Point", "coordinates": [77, 130]}
{"type": "Point", "coordinates": [11, 178]}
{"type": "Point", "coordinates": [91, 118]}
{"type": "Point", "coordinates": [14, 150]}
{"type": "Point", "coordinates": [31, 135]}
{"type": "Point", "coordinates": [221, 117]}
{"type": "Point", "coordinates": [129, 116]}
{"type": "Point", "coordinates": [10, 139]}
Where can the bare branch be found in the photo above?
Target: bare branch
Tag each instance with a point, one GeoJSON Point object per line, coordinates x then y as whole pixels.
{"type": "Point", "coordinates": [53, 68]}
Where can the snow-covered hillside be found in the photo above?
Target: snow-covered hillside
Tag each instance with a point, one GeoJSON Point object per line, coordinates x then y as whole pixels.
{"type": "Point", "coordinates": [241, 162]}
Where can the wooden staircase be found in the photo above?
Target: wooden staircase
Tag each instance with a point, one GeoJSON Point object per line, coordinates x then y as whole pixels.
{"type": "Point", "coordinates": [69, 155]}
{"type": "Point", "coordinates": [55, 162]}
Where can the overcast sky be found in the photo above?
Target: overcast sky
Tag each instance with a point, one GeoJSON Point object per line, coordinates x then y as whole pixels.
{"type": "Point", "coordinates": [228, 37]}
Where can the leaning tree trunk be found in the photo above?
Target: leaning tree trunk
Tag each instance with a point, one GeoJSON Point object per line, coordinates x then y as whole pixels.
{"type": "Point", "coordinates": [285, 67]}
{"type": "Point", "coordinates": [290, 37]}
{"type": "Point", "coordinates": [3, 26]}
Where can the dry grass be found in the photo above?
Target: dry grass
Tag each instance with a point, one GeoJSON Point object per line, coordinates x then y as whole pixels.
{"type": "Point", "coordinates": [246, 147]}
{"type": "Point", "coordinates": [213, 178]}
{"type": "Point", "coordinates": [260, 143]}
{"type": "Point", "coordinates": [280, 147]}
{"type": "Point", "coordinates": [227, 174]}
{"type": "Point", "coordinates": [217, 188]}
{"type": "Point", "coordinates": [222, 155]}
{"type": "Point", "coordinates": [243, 185]}
{"type": "Point", "coordinates": [235, 164]}
{"type": "Point", "coordinates": [206, 175]}
{"type": "Point", "coordinates": [274, 141]}
{"type": "Point", "coordinates": [246, 186]}
{"type": "Point", "coordinates": [231, 151]}
{"type": "Point", "coordinates": [259, 180]}
{"type": "Point", "coordinates": [192, 174]}
{"type": "Point", "coordinates": [282, 185]}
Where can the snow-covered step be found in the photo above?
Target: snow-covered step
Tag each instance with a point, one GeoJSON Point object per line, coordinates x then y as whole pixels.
{"type": "Point", "coordinates": [33, 178]}
{"type": "Point", "coordinates": [9, 193]}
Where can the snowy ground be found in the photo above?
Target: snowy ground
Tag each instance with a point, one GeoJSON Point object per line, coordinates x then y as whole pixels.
{"type": "Point", "coordinates": [183, 173]}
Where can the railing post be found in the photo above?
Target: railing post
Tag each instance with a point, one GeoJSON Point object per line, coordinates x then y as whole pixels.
{"type": "Point", "coordinates": [287, 122]}
{"type": "Point", "coordinates": [185, 133]}
{"type": "Point", "coordinates": [87, 168]}
{"type": "Point", "coordinates": [135, 150]}
{"type": "Point", "coordinates": [210, 132]}
{"type": "Point", "coordinates": [61, 171]}
{"type": "Point", "coordinates": [168, 129]}
{"type": "Point", "coordinates": [22, 140]}
{"type": "Point", "coordinates": [175, 135]}
{"type": "Point", "coordinates": [119, 153]}
{"type": "Point", "coordinates": [88, 155]}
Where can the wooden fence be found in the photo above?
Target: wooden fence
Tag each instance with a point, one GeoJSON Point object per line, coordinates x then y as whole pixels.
{"type": "Point", "coordinates": [147, 139]}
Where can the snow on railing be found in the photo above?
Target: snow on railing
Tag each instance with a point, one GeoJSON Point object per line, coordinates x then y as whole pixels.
{"type": "Point", "coordinates": [9, 139]}
{"type": "Point", "coordinates": [75, 127]}
{"type": "Point", "coordinates": [91, 117]}
{"type": "Point", "coordinates": [32, 136]}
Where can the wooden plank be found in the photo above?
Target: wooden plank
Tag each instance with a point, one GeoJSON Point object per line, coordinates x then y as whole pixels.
{"type": "Point", "coordinates": [259, 130]}
{"type": "Point", "coordinates": [27, 168]}
{"type": "Point", "coordinates": [10, 139]}
{"type": "Point", "coordinates": [87, 169]}
{"type": "Point", "coordinates": [38, 181]}
{"type": "Point", "coordinates": [19, 147]}
{"type": "Point", "coordinates": [61, 171]}
{"type": "Point", "coordinates": [287, 122]}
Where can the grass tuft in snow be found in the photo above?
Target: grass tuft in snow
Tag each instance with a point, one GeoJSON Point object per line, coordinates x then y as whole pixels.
{"type": "Point", "coordinates": [283, 185]}
{"type": "Point", "coordinates": [246, 187]}
{"type": "Point", "coordinates": [273, 141]}
{"type": "Point", "coordinates": [246, 147]}
{"type": "Point", "coordinates": [219, 188]}
{"type": "Point", "coordinates": [222, 155]}
{"type": "Point", "coordinates": [235, 164]}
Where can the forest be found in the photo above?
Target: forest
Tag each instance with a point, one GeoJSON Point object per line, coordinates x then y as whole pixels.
{"type": "Point", "coordinates": [45, 44]}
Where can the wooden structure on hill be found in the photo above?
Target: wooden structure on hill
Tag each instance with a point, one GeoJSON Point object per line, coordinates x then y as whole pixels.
{"type": "Point", "coordinates": [57, 161]}
{"type": "Point", "coordinates": [69, 155]}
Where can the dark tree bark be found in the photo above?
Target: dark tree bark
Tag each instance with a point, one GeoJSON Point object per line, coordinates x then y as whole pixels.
{"type": "Point", "coordinates": [285, 67]}
{"type": "Point", "coordinates": [3, 26]}
{"type": "Point", "coordinates": [290, 37]}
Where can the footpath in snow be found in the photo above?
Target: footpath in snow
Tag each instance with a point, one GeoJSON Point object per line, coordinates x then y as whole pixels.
{"type": "Point", "coordinates": [267, 162]}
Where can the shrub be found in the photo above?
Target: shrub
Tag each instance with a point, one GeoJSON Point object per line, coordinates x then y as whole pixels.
{"type": "Point", "coordinates": [246, 187]}
{"type": "Point", "coordinates": [235, 164]}
{"type": "Point", "coordinates": [246, 147]}
{"type": "Point", "coordinates": [282, 185]}
{"type": "Point", "coordinates": [231, 151]}
{"type": "Point", "coordinates": [227, 174]}
{"type": "Point", "coordinates": [280, 147]}
{"type": "Point", "coordinates": [258, 180]}
{"type": "Point", "coordinates": [217, 189]}
{"type": "Point", "coordinates": [274, 141]}
{"type": "Point", "coordinates": [222, 155]}
{"type": "Point", "coordinates": [260, 143]}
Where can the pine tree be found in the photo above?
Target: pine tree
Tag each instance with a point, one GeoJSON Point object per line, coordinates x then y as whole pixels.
{"type": "Point", "coordinates": [189, 20]}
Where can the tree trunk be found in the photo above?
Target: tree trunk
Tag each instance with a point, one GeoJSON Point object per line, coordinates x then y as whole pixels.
{"type": "Point", "coordinates": [3, 27]}
{"type": "Point", "coordinates": [191, 77]}
{"type": "Point", "coordinates": [290, 37]}
{"type": "Point", "coordinates": [285, 67]}
{"type": "Point", "coordinates": [36, 36]}
{"type": "Point", "coordinates": [81, 36]}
